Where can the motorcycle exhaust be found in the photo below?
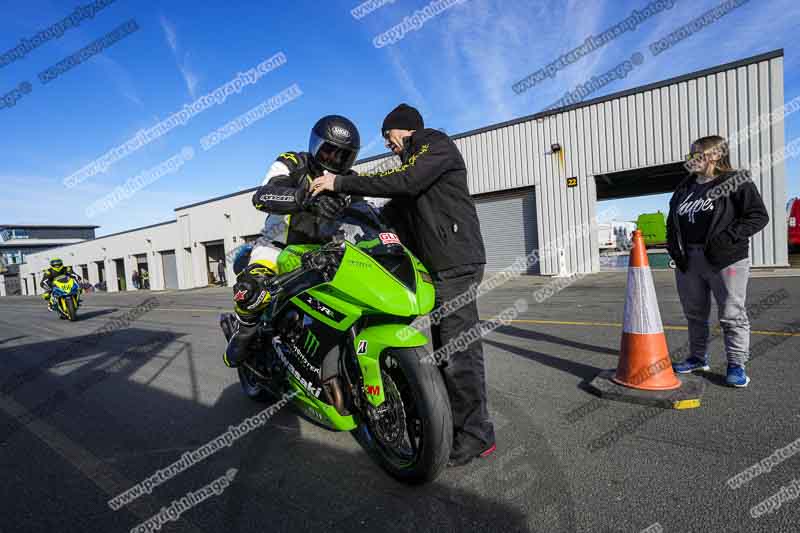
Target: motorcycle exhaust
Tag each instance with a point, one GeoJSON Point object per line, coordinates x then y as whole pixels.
{"type": "Point", "coordinates": [333, 388]}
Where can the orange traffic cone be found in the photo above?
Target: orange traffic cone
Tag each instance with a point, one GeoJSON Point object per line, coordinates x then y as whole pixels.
{"type": "Point", "coordinates": [644, 361]}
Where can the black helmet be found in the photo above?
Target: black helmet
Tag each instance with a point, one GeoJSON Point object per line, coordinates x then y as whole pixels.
{"type": "Point", "coordinates": [334, 143]}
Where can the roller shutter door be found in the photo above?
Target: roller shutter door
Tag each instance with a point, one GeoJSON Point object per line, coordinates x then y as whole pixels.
{"type": "Point", "coordinates": [508, 225]}
{"type": "Point", "coordinates": [170, 266]}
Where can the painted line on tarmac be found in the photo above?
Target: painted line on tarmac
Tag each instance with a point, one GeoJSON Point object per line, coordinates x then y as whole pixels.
{"type": "Point", "coordinates": [516, 321]}
{"type": "Point", "coordinates": [619, 325]}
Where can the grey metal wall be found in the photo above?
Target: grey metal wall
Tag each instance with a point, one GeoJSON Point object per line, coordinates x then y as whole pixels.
{"type": "Point", "coordinates": [637, 129]}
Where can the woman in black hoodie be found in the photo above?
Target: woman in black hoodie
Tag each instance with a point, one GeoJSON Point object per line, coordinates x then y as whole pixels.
{"type": "Point", "coordinates": [712, 215]}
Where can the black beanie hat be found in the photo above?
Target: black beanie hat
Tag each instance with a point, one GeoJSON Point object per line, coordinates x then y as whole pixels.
{"type": "Point", "coordinates": [403, 117]}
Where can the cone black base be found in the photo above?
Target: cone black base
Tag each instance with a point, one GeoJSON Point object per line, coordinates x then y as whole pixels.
{"type": "Point", "coordinates": [686, 397]}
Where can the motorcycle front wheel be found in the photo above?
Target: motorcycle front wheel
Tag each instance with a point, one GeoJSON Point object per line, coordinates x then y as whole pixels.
{"type": "Point", "coordinates": [72, 311]}
{"type": "Point", "coordinates": [411, 433]}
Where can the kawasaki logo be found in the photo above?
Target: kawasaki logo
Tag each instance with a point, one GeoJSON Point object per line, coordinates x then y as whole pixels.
{"type": "Point", "coordinates": [311, 345]}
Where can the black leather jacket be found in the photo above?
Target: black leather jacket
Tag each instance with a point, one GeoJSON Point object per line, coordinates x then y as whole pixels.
{"type": "Point", "coordinates": [431, 204]}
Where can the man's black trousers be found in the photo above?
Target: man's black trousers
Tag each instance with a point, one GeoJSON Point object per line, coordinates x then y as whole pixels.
{"type": "Point", "coordinates": [464, 373]}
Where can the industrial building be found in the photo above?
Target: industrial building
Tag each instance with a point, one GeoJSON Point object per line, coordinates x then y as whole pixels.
{"type": "Point", "coordinates": [18, 241]}
{"type": "Point", "coordinates": [537, 181]}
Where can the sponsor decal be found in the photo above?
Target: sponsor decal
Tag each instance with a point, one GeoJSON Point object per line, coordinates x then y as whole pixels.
{"type": "Point", "coordinates": [313, 413]}
{"type": "Point", "coordinates": [277, 198]}
{"type": "Point", "coordinates": [304, 361]}
{"type": "Point", "coordinates": [358, 264]}
{"type": "Point", "coordinates": [240, 295]}
{"type": "Point", "coordinates": [362, 347]}
{"type": "Point", "coordinates": [311, 345]}
{"type": "Point", "coordinates": [389, 238]}
{"type": "Point", "coordinates": [316, 391]}
{"type": "Point", "coordinates": [290, 156]}
{"type": "Point", "coordinates": [258, 300]}
{"type": "Point", "coordinates": [320, 307]}
{"type": "Point", "coordinates": [338, 131]}
{"type": "Point", "coordinates": [373, 390]}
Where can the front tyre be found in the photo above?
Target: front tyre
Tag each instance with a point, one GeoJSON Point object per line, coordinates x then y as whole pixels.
{"type": "Point", "coordinates": [410, 435]}
{"type": "Point", "coordinates": [72, 314]}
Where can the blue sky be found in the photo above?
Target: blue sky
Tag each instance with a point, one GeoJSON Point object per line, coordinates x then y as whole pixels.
{"type": "Point", "coordinates": [457, 68]}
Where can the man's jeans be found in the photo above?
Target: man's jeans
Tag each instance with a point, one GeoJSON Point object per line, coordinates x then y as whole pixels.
{"type": "Point", "coordinates": [464, 373]}
{"type": "Point", "coordinates": [729, 286]}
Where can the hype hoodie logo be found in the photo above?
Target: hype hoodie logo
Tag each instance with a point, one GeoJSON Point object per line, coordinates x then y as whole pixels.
{"type": "Point", "coordinates": [689, 208]}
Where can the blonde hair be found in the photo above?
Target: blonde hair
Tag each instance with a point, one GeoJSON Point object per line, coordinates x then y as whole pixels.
{"type": "Point", "coordinates": [717, 146]}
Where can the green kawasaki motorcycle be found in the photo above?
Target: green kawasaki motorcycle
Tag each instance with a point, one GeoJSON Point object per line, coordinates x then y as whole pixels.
{"type": "Point", "coordinates": [341, 343]}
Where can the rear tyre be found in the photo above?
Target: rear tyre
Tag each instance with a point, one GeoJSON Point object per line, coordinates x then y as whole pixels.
{"type": "Point", "coordinates": [417, 406]}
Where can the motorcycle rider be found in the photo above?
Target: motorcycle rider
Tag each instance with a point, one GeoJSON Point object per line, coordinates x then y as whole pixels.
{"type": "Point", "coordinates": [55, 270]}
{"type": "Point", "coordinates": [333, 146]}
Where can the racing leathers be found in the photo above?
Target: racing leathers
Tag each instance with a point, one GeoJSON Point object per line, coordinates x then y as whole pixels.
{"type": "Point", "coordinates": [50, 274]}
{"type": "Point", "coordinates": [294, 218]}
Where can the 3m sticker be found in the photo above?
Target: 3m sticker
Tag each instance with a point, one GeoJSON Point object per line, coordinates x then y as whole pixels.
{"type": "Point", "coordinates": [389, 238]}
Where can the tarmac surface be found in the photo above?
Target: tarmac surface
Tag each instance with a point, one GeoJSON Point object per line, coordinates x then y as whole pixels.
{"type": "Point", "coordinates": [83, 419]}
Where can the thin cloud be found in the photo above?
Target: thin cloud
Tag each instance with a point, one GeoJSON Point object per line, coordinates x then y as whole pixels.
{"type": "Point", "coordinates": [181, 59]}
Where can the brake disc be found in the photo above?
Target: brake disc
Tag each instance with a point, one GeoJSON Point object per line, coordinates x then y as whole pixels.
{"type": "Point", "coordinates": [389, 420]}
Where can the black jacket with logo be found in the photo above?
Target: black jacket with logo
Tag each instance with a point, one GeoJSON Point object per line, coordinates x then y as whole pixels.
{"type": "Point", "coordinates": [739, 213]}
{"type": "Point", "coordinates": [431, 206]}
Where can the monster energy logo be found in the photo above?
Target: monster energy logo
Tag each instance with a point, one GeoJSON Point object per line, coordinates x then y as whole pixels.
{"type": "Point", "coordinates": [311, 345]}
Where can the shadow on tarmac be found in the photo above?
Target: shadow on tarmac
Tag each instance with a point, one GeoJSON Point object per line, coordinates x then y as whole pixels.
{"type": "Point", "coordinates": [539, 336]}
{"type": "Point", "coordinates": [101, 396]}
{"type": "Point", "coordinates": [585, 372]}
{"type": "Point", "coordinates": [3, 341]}
{"type": "Point", "coordinates": [86, 315]}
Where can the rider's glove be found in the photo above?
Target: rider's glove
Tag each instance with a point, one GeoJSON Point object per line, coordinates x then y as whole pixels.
{"type": "Point", "coordinates": [327, 206]}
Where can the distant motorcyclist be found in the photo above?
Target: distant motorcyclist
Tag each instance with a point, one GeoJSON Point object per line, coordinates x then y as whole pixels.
{"type": "Point", "coordinates": [333, 146]}
{"type": "Point", "coordinates": [55, 270]}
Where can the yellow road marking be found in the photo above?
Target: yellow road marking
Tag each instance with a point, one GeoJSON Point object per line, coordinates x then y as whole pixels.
{"type": "Point", "coordinates": [619, 325]}
{"type": "Point", "coordinates": [517, 321]}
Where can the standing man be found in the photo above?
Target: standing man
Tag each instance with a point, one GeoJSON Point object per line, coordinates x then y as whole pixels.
{"type": "Point", "coordinates": [430, 195]}
{"type": "Point", "coordinates": [221, 272]}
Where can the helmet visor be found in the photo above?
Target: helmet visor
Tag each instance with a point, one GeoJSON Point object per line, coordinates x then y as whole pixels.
{"type": "Point", "coordinates": [56, 264]}
{"type": "Point", "coordinates": [330, 156]}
